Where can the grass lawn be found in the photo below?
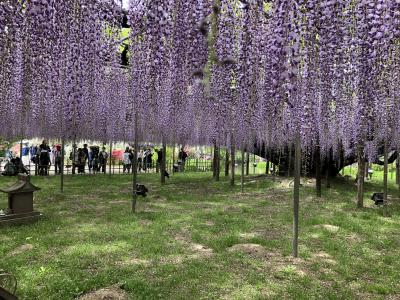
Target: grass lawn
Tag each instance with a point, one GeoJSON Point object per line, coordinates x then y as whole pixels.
{"type": "Point", "coordinates": [197, 239]}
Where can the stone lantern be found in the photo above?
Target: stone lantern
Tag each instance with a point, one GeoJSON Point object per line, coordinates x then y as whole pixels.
{"type": "Point", "coordinates": [20, 202]}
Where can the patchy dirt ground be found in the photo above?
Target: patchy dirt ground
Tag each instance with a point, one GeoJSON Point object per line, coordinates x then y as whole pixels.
{"type": "Point", "coordinates": [109, 293]}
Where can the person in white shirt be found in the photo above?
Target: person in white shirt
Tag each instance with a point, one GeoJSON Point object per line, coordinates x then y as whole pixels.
{"type": "Point", "coordinates": [140, 160]}
{"type": "Point", "coordinates": [127, 160]}
{"type": "Point", "coordinates": [103, 157]}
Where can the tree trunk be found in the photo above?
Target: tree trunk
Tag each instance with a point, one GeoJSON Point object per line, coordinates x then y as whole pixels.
{"type": "Point", "coordinates": [62, 165]}
{"type": "Point", "coordinates": [247, 163]}
{"type": "Point", "coordinates": [163, 162]}
{"type": "Point", "coordinates": [296, 195]}
{"type": "Point", "coordinates": [318, 178]}
{"type": "Point", "coordinates": [360, 178]}
{"type": "Point", "coordinates": [227, 162]}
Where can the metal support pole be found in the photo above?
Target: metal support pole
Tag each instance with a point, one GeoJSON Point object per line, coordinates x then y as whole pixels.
{"type": "Point", "coordinates": [62, 165]}
{"type": "Point", "coordinates": [296, 195]}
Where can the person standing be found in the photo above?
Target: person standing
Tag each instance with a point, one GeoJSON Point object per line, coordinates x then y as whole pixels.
{"type": "Point", "coordinates": [140, 160]}
{"type": "Point", "coordinates": [144, 160]}
{"type": "Point", "coordinates": [53, 155]}
{"type": "Point", "coordinates": [127, 160]}
{"type": "Point", "coordinates": [86, 151]}
{"type": "Point", "coordinates": [95, 159]}
{"type": "Point", "coordinates": [73, 156]}
{"type": "Point", "coordinates": [44, 158]}
{"type": "Point", "coordinates": [81, 160]}
{"type": "Point", "coordinates": [57, 159]}
{"type": "Point", "coordinates": [33, 153]}
{"type": "Point", "coordinates": [103, 157]}
{"type": "Point", "coordinates": [182, 159]}
{"type": "Point", "coordinates": [149, 159]}
{"type": "Point", "coordinates": [370, 173]}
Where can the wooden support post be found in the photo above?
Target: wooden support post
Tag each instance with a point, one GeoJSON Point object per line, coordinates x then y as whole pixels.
{"type": "Point", "coordinates": [242, 171]}
{"type": "Point", "coordinates": [254, 163]}
{"type": "Point", "coordinates": [273, 167]}
{"type": "Point", "coordinates": [218, 163]}
{"type": "Point", "coordinates": [134, 175]}
{"type": "Point", "coordinates": [398, 172]}
{"type": "Point", "coordinates": [328, 177]}
{"type": "Point", "coordinates": [318, 180]}
{"type": "Point", "coordinates": [110, 158]}
{"type": "Point", "coordinates": [296, 195]}
{"type": "Point", "coordinates": [62, 164]}
{"type": "Point", "coordinates": [214, 160]}
{"type": "Point", "coordinates": [226, 162]}
{"type": "Point", "coordinates": [385, 174]}
{"type": "Point", "coordinates": [135, 165]}
{"type": "Point", "coordinates": [247, 163]}
{"type": "Point", "coordinates": [233, 159]}
{"type": "Point", "coordinates": [73, 156]}
{"type": "Point", "coordinates": [173, 157]}
{"type": "Point", "coordinates": [360, 177]}
{"type": "Point", "coordinates": [290, 160]}
{"type": "Point", "coordinates": [20, 149]}
{"type": "Point", "coordinates": [163, 162]}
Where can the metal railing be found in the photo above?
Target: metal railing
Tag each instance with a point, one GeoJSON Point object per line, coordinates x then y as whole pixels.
{"type": "Point", "coordinates": [117, 167]}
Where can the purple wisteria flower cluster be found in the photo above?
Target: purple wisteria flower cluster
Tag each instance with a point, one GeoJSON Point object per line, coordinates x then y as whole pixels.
{"type": "Point", "coordinates": [204, 71]}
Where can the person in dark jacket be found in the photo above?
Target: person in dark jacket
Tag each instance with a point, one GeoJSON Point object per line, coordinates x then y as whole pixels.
{"type": "Point", "coordinates": [57, 159]}
{"type": "Point", "coordinates": [33, 152]}
{"type": "Point", "coordinates": [81, 160]}
{"type": "Point", "coordinates": [103, 157]}
{"type": "Point", "coordinates": [86, 151]}
{"type": "Point", "coordinates": [182, 159]}
{"type": "Point", "coordinates": [149, 159]}
{"type": "Point", "coordinates": [44, 158]}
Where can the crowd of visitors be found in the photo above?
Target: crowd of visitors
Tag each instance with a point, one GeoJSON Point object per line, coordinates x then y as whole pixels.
{"type": "Point", "coordinates": [43, 157]}
{"type": "Point", "coordinates": [144, 159]}
{"type": "Point", "coordinates": [85, 158]}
